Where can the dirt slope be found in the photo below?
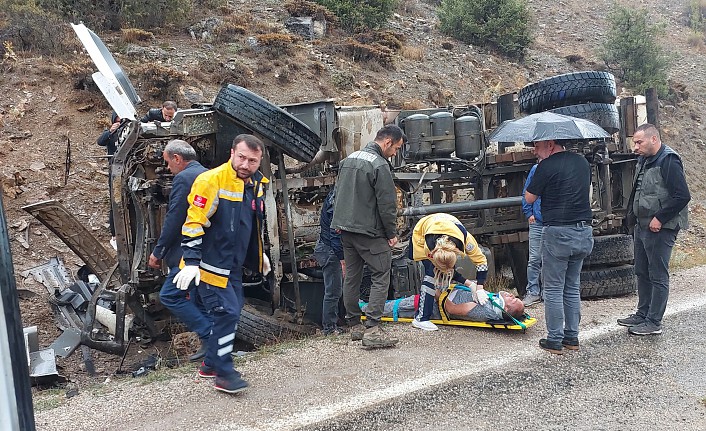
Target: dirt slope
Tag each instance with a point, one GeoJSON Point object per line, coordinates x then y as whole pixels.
{"type": "Point", "coordinates": [42, 111]}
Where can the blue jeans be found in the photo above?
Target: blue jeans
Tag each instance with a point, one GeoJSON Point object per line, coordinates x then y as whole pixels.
{"type": "Point", "coordinates": [184, 304]}
{"type": "Point", "coordinates": [652, 253]}
{"type": "Point", "coordinates": [225, 306]}
{"type": "Point", "coordinates": [534, 264]}
{"type": "Point", "coordinates": [563, 251]}
{"type": "Point", "coordinates": [333, 284]}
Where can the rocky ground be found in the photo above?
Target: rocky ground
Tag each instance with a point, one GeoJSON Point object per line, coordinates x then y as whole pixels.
{"type": "Point", "coordinates": [47, 108]}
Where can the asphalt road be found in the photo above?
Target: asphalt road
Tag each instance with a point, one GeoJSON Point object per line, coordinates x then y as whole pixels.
{"type": "Point", "coordinates": [615, 382]}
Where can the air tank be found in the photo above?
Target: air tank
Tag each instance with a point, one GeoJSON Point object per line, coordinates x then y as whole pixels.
{"type": "Point", "coordinates": [442, 130]}
{"type": "Point", "coordinates": [468, 139]}
{"type": "Point", "coordinates": [418, 130]}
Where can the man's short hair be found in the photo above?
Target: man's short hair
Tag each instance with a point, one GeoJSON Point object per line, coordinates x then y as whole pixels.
{"type": "Point", "coordinates": [253, 142]}
{"type": "Point", "coordinates": [170, 104]}
{"type": "Point", "coordinates": [649, 130]}
{"type": "Point", "coordinates": [391, 131]}
{"type": "Point", "coordinates": [182, 148]}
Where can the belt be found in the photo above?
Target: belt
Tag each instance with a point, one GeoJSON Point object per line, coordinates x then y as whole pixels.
{"type": "Point", "coordinates": [580, 224]}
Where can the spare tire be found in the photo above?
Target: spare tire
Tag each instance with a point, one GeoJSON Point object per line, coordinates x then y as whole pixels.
{"type": "Point", "coordinates": [611, 250]}
{"type": "Point", "coordinates": [608, 281]}
{"type": "Point", "coordinates": [603, 114]}
{"type": "Point", "coordinates": [567, 89]}
{"type": "Point", "coordinates": [258, 327]}
{"type": "Point", "coordinates": [264, 119]}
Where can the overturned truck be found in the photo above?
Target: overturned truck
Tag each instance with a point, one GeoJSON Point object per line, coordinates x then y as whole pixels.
{"type": "Point", "coordinates": [448, 165]}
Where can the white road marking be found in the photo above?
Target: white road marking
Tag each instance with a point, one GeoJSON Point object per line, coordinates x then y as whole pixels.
{"type": "Point", "coordinates": [406, 387]}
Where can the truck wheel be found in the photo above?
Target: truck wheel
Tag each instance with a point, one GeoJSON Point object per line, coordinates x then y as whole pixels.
{"type": "Point", "coordinates": [603, 114]}
{"type": "Point", "coordinates": [274, 124]}
{"type": "Point", "coordinates": [608, 281]}
{"type": "Point", "coordinates": [259, 328]}
{"type": "Point", "coordinates": [567, 89]}
{"type": "Point", "coordinates": [610, 250]}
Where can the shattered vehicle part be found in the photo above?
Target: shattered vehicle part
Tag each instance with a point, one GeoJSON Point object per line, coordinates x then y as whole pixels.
{"type": "Point", "coordinates": [67, 342]}
{"type": "Point", "coordinates": [52, 275]}
{"type": "Point", "coordinates": [69, 229]}
{"type": "Point", "coordinates": [42, 368]}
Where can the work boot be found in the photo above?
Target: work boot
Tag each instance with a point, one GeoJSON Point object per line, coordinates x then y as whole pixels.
{"type": "Point", "coordinates": [551, 346]}
{"type": "Point", "coordinates": [631, 320]}
{"type": "Point", "coordinates": [377, 337]}
{"type": "Point", "coordinates": [570, 343]}
{"type": "Point", "coordinates": [645, 328]}
{"type": "Point", "coordinates": [200, 353]}
{"type": "Point", "coordinates": [357, 332]}
{"type": "Point", "coordinates": [231, 384]}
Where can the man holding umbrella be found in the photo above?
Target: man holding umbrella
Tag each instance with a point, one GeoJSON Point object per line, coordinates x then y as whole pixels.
{"type": "Point", "coordinates": [563, 180]}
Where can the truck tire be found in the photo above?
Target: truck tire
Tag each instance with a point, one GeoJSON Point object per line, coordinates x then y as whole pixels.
{"type": "Point", "coordinates": [610, 250]}
{"type": "Point", "coordinates": [608, 281]}
{"type": "Point", "coordinates": [264, 119]}
{"type": "Point", "coordinates": [259, 328]}
{"type": "Point", "coordinates": [567, 89]}
{"type": "Point", "coordinates": [603, 114]}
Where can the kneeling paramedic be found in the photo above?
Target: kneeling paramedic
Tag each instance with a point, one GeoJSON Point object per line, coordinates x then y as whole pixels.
{"type": "Point", "coordinates": [222, 234]}
{"type": "Point", "coordinates": [437, 240]}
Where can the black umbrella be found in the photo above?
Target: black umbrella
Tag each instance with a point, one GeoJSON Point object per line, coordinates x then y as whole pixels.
{"type": "Point", "coordinates": [546, 126]}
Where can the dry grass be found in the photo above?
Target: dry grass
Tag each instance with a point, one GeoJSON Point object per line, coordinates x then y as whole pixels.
{"type": "Point", "coordinates": [132, 35]}
{"type": "Point", "coordinates": [696, 40]}
{"type": "Point", "coordinates": [684, 259]}
{"type": "Point", "coordinates": [415, 53]}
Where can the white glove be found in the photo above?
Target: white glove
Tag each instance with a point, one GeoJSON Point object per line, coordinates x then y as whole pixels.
{"type": "Point", "coordinates": [481, 296]}
{"type": "Point", "coordinates": [266, 266]}
{"type": "Point", "coordinates": [188, 274]}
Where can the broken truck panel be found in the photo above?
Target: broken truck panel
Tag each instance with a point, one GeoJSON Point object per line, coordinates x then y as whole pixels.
{"type": "Point", "coordinates": [59, 220]}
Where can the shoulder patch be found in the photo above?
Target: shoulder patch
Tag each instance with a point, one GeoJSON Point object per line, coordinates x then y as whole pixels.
{"type": "Point", "coordinates": [469, 246]}
{"type": "Point", "coordinates": [200, 201]}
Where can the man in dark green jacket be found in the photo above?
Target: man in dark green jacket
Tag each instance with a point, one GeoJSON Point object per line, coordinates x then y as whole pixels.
{"type": "Point", "coordinates": [366, 214]}
{"type": "Point", "coordinates": [659, 207]}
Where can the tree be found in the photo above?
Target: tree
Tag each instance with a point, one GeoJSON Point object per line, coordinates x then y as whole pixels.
{"type": "Point", "coordinates": [632, 52]}
{"type": "Point", "coordinates": [502, 24]}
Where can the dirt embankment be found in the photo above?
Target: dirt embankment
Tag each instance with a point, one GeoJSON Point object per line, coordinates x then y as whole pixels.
{"type": "Point", "coordinates": [42, 112]}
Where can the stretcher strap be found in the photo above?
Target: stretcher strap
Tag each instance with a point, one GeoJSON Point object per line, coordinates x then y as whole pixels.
{"type": "Point", "coordinates": [442, 299]}
{"type": "Point", "coordinates": [505, 313]}
{"type": "Point", "coordinates": [396, 309]}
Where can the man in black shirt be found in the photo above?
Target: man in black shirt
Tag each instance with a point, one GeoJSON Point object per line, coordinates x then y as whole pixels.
{"type": "Point", "coordinates": [563, 180]}
{"type": "Point", "coordinates": [163, 114]}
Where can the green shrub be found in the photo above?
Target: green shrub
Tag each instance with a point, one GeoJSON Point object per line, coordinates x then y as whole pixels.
{"type": "Point", "coordinates": [30, 28]}
{"type": "Point", "coordinates": [632, 52]}
{"type": "Point", "coordinates": [360, 15]}
{"type": "Point", "coordinates": [696, 13]}
{"type": "Point", "coordinates": [502, 24]}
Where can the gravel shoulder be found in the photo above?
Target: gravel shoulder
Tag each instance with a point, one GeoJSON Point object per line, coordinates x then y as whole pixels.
{"type": "Point", "coordinates": [313, 380]}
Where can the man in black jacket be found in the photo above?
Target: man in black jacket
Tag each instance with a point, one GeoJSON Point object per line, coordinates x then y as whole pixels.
{"type": "Point", "coordinates": [109, 140]}
{"type": "Point", "coordinates": [658, 205]}
{"type": "Point", "coordinates": [366, 214]}
{"type": "Point", "coordinates": [166, 113]}
{"type": "Point", "coordinates": [181, 161]}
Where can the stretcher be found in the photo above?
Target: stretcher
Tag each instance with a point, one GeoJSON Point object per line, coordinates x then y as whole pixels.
{"type": "Point", "coordinates": [508, 322]}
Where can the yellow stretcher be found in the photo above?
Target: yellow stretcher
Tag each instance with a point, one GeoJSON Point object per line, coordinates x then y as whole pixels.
{"type": "Point", "coordinates": [508, 323]}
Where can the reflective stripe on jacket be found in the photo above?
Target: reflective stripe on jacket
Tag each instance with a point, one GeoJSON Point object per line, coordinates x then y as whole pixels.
{"type": "Point", "coordinates": [212, 222]}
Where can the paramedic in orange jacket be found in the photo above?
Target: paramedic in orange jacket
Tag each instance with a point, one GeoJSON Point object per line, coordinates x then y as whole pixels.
{"type": "Point", "coordinates": [221, 235]}
{"type": "Point", "coordinates": [437, 240]}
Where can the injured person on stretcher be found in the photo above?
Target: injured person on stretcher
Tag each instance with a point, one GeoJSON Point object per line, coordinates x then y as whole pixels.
{"type": "Point", "coordinates": [456, 306]}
